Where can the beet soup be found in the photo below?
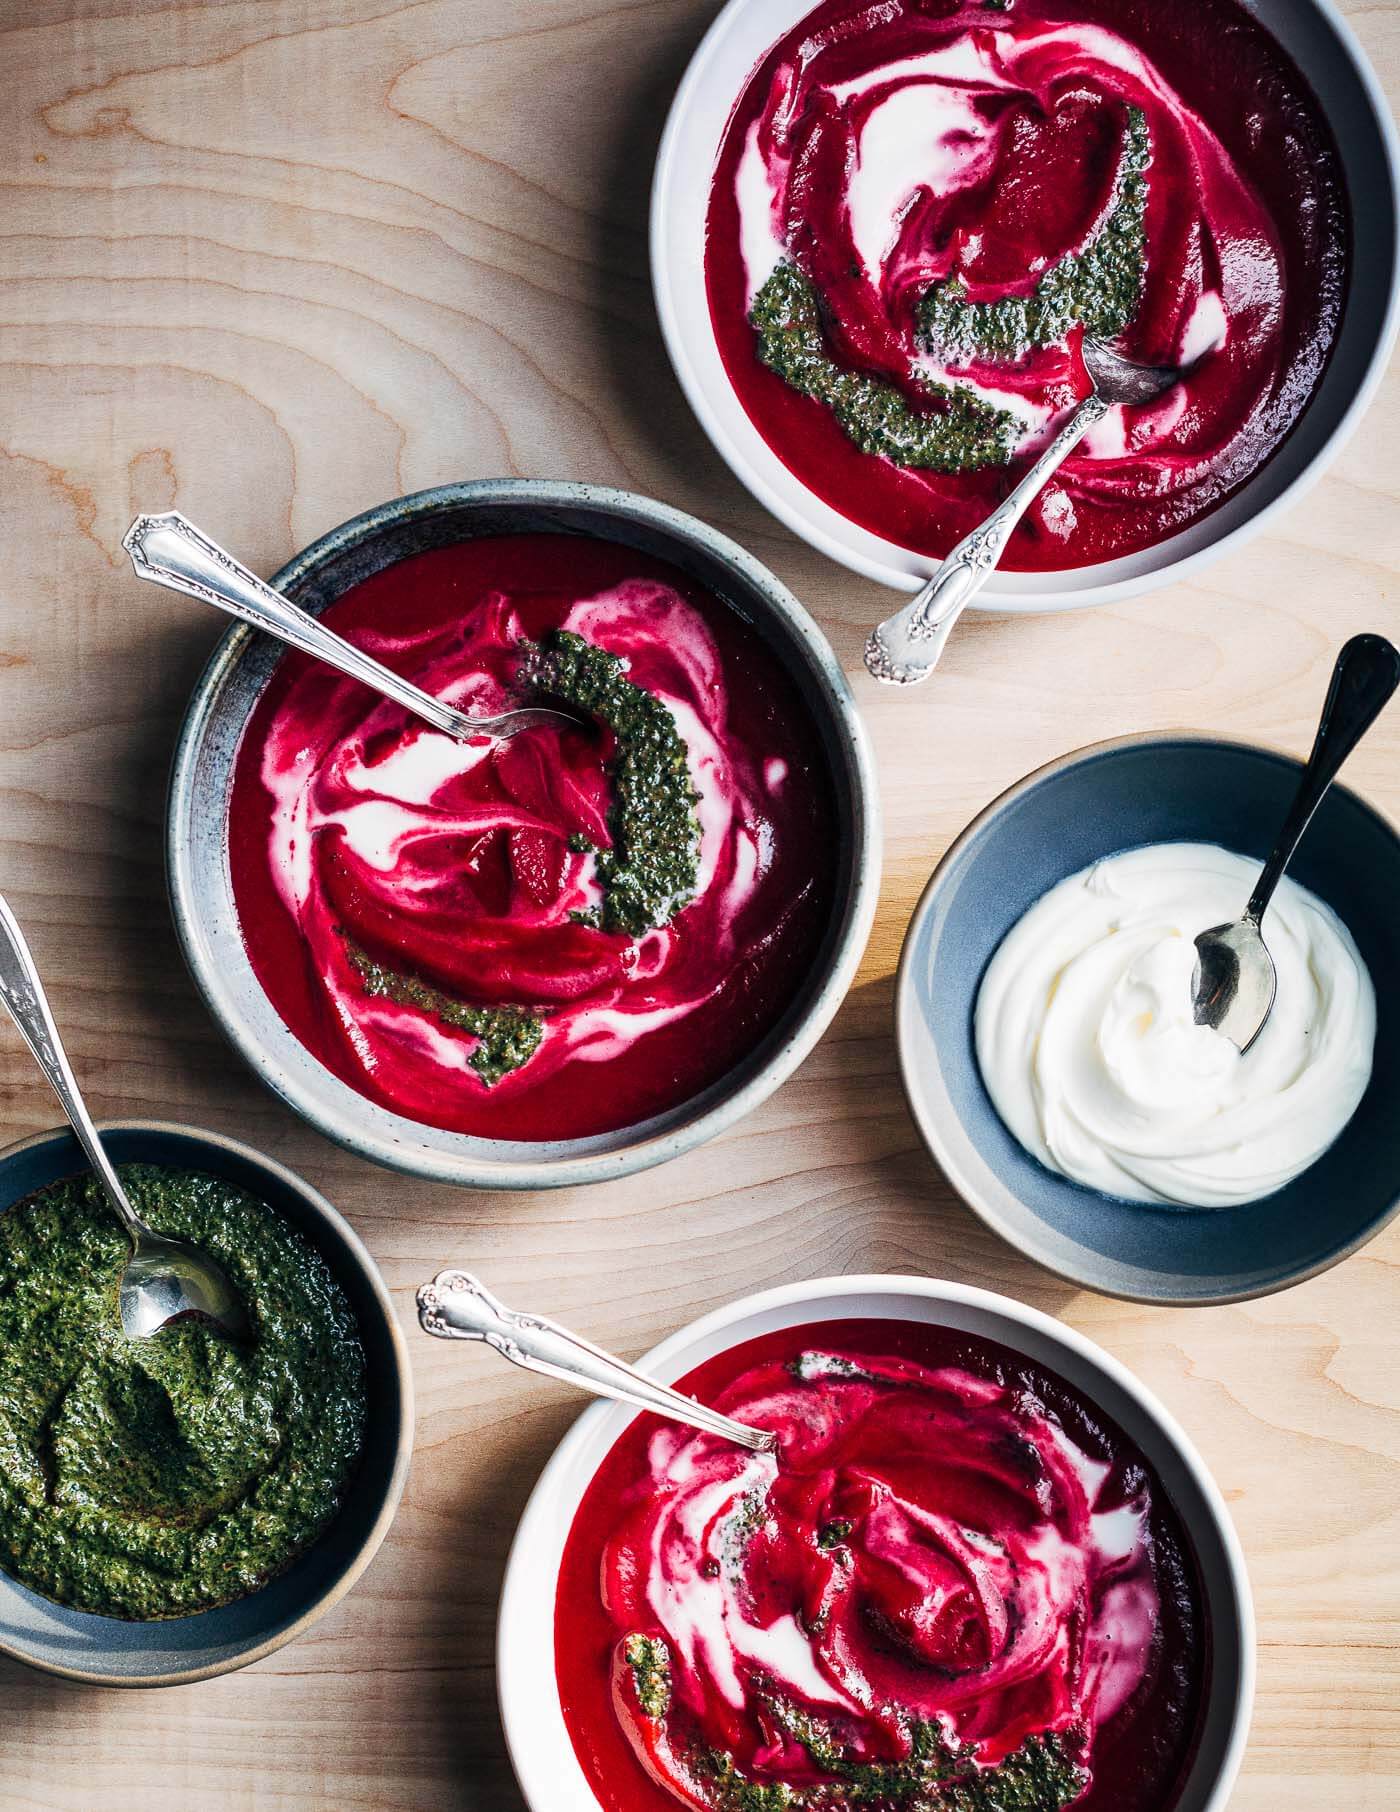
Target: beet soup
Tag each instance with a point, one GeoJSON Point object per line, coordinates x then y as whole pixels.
{"type": "Point", "coordinates": [957, 1585]}
{"type": "Point", "coordinates": [921, 207]}
{"type": "Point", "coordinates": [559, 934]}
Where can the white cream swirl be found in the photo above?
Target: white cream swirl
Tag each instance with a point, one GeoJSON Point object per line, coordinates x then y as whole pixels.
{"type": "Point", "coordinates": [1087, 1045]}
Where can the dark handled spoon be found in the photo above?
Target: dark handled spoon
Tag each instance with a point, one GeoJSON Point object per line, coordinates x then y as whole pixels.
{"type": "Point", "coordinates": [169, 550]}
{"type": "Point", "coordinates": [1235, 980]}
{"type": "Point", "coordinates": [163, 1278]}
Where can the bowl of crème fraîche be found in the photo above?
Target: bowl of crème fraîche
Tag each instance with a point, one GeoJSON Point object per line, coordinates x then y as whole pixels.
{"type": "Point", "coordinates": [1048, 1044]}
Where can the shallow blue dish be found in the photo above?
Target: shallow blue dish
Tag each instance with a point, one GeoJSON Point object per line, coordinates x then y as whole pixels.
{"type": "Point", "coordinates": [1113, 796]}
{"type": "Point", "coordinates": [108, 1651]}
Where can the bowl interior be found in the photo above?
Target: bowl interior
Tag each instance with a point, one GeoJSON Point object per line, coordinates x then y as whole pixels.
{"type": "Point", "coordinates": [540, 1746]}
{"type": "Point", "coordinates": [1093, 805]}
{"type": "Point", "coordinates": [116, 1652]}
{"type": "Point", "coordinates": [1319, 42]}
{"type": "Point", "coordinates": [202, 890]}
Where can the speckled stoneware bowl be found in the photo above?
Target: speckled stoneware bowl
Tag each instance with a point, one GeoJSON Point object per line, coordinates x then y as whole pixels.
{"type": "Point", "coordinates": [1113, 796]}
{"type": "Point", "coordinates": [541, 1750]}
{"type": "Point", "coordinates": [107, 1651]}
{"type": "Point", "coordinates": [1323, 45]}
{"type": "Point", "coordinates": [196, 844]}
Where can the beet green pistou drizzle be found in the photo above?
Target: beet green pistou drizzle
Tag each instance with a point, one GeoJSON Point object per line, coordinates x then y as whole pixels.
{"type": "Point", "coordinates": [160, 1477]}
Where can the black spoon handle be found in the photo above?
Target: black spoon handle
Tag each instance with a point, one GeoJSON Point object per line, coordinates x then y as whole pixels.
{"type": "Point", "coordinates": [1365, 676]}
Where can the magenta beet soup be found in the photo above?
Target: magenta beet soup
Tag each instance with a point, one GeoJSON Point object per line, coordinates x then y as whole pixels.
{"type": "Point", "coordinates": [560, 934]}
{"type": "Point", "coordinates": [921, 207]}
{"type": "Point", "coordinates": [957, 1587]}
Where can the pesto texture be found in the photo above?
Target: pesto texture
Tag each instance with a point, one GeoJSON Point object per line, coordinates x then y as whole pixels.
{"type": "Point", "coordinates": [506, 1037]}
{"type": "Point", "coordinates": [157, 1478]}
{"type": "Point", "coordinates": [649, 873]}
{"type": "Point", "coordinates": [1099, 286]}
{"type": "Point", "coordinates": [957, 433]}
{"type": "Point", "coordinates": [650, 1661]}
{"type": "Point", "coordinates": [1040, 1776]}
{"type": "Point", "coordinates": [934, 1775]}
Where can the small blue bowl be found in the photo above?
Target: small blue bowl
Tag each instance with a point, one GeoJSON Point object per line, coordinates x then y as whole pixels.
{"type": "Point", "coordinates": [108, 1651]}
{"type": "Point", "coordinates": [1091, 804]}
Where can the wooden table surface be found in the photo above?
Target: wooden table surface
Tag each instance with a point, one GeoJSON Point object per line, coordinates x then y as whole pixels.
{"type": "Point", "coordinates": [277, 260]}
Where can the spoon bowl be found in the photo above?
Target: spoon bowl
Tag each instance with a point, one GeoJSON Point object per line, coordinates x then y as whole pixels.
{"type": "Point", "coordinates": [163, 1278]}
{"type": "Point", "coordinates": [1117, 379]}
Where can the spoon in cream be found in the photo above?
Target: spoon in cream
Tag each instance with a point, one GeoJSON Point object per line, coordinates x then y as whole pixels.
{"type": "Point", "coordinates": [1235, 980]}
{"type": "Point", "coordinates": [458, 1306]}
{"type": "Point", "coordinates": [169, 550]}
{"type": "Point", "coordinates": [906, 647]}
{"type": "Point", "coordinates": [163, 1278]}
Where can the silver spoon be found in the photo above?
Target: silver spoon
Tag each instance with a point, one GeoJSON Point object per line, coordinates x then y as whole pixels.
{"type": "Point", "coordinates": [1235, 980]}
{"type": "Point", "coordinates": [905, 648]}
{"type": "Point", "coordinates": [458, 1306]}
{"type": "Point", "coordinates": [164, 1277]}
{"type": "Point", "coordinates": [171, 551]}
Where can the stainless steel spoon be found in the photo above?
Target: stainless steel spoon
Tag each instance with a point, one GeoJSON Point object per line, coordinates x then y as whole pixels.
{"type": "Point", "coordinates": [171, 551]}
{"type": "Point", "coordinates": [905, 648]}
{"type": "Point", "coordinates": [458, 1306]}
{"type": "Point", "coordinates": [1235, 979]}
{"type": "Point", "coordinates": [163, 1278]}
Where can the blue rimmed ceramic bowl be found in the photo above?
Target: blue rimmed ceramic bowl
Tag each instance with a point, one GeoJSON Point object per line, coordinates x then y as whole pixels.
{"type": "Point", "coordinates": [108, 1651]}
{"type": "Point", "coordinates": [201, 888]}
{"type": "Point", "coordinates": [1091, 804]}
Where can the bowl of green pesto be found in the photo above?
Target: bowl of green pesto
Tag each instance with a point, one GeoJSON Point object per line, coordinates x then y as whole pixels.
{"type": "Point", "coordinates": [176, 1507]}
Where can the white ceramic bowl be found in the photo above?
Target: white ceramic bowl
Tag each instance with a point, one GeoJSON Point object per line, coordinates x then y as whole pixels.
{"type": "Point", "coordinates": [1320, 42]}
{"type": "Point", "coordinates": [539, 1743]}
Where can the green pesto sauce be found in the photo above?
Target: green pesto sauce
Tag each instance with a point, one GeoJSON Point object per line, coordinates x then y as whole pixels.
{"type": "Point", "coordinates": [649, 873]}
{"type": "Point", "coordinates": [812, 1365]}
{"type": "Point", "coordinates": [160, 1477]}
{"type": "Point", "coordinates": [957, 433]}
{"type": "Point", "coordinates": [1099, 286]}
{"type": "Point", "coordinates": [1040, 1776]}
{"type": "Point", "coordinates": [507, 1037]}
{"type": "Point", "coordinates": [650, 1662]}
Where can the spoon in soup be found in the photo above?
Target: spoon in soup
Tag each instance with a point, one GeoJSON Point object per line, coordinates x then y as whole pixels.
{"type": "Point", "coordinates": [164, 1278]}
{"type": "Point", "coordinates": [1235, 980]}
{"type": "Point", "coordinates": [906, 647]}
{"type": "Point", "coordinates": [169, 550]}
{"type": "Point", "coordinates": [458, 1306]}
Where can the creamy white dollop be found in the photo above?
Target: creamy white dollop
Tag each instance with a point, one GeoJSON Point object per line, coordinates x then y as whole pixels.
{"type": "Point", "coordinates": [1088, 1048]}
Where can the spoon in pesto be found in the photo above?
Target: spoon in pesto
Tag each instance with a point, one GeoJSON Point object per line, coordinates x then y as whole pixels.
{"type": "Point", "coordinates": [906, 647]}
{"type": "Point", "coordinates": [163, 1278]}
{"type": "Point", "coordinates": [169, 550]}
{"type": "Point", "coordinates": [458, 1306]}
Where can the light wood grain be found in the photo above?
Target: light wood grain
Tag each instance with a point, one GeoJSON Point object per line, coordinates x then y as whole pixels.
{"type": "Point", "coordinates": [277, 260]}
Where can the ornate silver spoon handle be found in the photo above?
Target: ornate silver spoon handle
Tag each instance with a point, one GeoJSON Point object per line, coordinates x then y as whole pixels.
{"type": "Point", "coordinates": [23, 993]}
{"type": "Point", "coordinates": [458, 1306]}
{"type": "Point", "coordinates": [169, 550]}
{"type": "Point", "coordinates": [905, 648]}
